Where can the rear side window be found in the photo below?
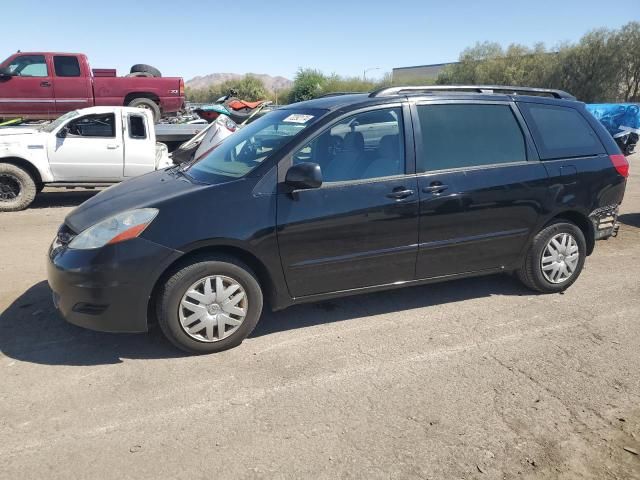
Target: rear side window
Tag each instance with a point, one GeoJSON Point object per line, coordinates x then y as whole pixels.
{"type": "Point", "coordinates": [560, 132]}
{"type": "Point", "coordinates": [94, 126]}
{"type": "Point", "coordinates": [66, 66]}
{"type": "Point", "coordinates": [467, 135]}
{"type": "Point", "coordinates": [137, 128]}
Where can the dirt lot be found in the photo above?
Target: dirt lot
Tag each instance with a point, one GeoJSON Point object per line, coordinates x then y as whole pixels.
{"type": "Point", "coordinates": [471, 379]}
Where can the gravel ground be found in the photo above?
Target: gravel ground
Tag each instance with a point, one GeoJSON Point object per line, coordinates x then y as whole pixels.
{"type": "Point", "coordinates": [475, 378]}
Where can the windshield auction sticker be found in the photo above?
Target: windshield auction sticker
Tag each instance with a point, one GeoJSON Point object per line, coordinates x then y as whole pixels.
{"type": "Point", "coordinates": [298, 118]}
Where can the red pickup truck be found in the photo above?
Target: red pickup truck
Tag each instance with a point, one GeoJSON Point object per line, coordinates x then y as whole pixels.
{"type": "Point", "coordinates": [44, 85]}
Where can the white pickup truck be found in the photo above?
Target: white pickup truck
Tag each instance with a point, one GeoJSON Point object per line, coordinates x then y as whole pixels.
{"type": "Point", "coordinates": [91, 147]}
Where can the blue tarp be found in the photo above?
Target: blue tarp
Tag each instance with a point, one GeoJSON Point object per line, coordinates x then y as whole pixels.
{"type": "Point", "coordinates": [618, 118]}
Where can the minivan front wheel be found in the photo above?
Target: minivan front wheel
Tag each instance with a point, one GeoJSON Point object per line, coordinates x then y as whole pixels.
{"type": "Point", "coordinates": [555, 259]}
{"type": "Point", "coordinates": [209, 305]}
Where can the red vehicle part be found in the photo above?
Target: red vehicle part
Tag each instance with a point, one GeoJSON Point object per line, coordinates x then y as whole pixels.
{"type": "Point", "coordinates": [44, 85]}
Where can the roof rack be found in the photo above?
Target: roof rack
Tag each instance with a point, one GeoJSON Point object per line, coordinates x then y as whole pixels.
{"type": "Point", "coordinates": [389, 91]}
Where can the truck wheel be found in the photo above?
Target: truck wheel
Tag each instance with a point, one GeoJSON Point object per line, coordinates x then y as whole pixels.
{"type": "Point", "coordinates": [149, 105]}
{"type": "Point", "coordinates": [141, 67]}
{"type": "Point", "coordinates": [17, 188]}
{"type": "Point", "coordinates": [209, 305]}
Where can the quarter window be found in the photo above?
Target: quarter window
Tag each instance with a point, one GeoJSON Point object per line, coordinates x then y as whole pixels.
{"type": "Point", "coordinates": [468, 135]}
{"type": "Point", "coordinates": [66, 66]}
{"type": "Point", "coordinates": [137, 128]}
{"type": "Point", "coordinates": [366, 145]}
{"type": "Point", "coordinates": [560, 132]}
{"type": "Point", "coordinates": [94, 126]}
{"type": "Point", "coordinates": [29, 66]}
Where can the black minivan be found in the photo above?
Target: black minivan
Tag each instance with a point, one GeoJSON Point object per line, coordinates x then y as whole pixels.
{"type": "Point", "coordinates": [341, 195]}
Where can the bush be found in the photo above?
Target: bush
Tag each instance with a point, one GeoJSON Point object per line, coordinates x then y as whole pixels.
{"type": "Point", "coordinates": [249, 88]}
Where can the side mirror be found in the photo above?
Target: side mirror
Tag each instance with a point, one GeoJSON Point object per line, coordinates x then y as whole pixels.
{"type": "Point", "coordinates": [63, 132]}
{"type": "Point", "coordinates": [304, 176]}
{"type": "Point", "coordinates": [5, 72]}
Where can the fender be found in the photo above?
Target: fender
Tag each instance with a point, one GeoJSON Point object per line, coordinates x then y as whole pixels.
{"type": "Point", "coordinates": [30, 148]}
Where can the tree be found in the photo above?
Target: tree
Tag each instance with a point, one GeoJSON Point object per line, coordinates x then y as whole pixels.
{"type": "Point", "coordinates": [627, 44]}
{"type": "Point", "coordinates": [590, 69]}
{"type": "Point", "coordinates": [603, 66]}
{"type": "Point", "coordinates": [307, 84]}
{"type": "Point", "coordinates": [489, 63]}
{"type": "Point", "coordinates": [250, 88]}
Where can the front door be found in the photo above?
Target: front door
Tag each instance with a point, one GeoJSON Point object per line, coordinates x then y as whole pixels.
{"type": "Point", "coordinates": [360, 228]}
{"type": "Point", "coordinates": [28, 93]}
{"type": "Point", "coordinates": [481, 187]}
{"type": "Point", "coordinates": [89, 150]}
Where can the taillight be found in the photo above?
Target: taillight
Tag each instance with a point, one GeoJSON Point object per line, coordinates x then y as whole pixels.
{"type": "Point", "coordinates": [621, 163]}
{"type": "Point", "coordinates": [181, 87]}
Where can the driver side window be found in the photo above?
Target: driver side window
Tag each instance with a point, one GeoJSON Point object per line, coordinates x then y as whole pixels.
{"type": "Point", "coordinates": [366, 145]}
{"type": "Point", "coordinates": [103, 125]}
{"type": "Point", "coordinates": [29, 66]}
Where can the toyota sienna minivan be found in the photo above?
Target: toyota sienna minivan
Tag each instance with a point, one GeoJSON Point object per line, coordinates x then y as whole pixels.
{"type": "Point", "coordinates": [342, 195]}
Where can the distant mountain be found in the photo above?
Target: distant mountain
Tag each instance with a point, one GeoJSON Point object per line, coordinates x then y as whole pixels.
{"type": "Point", "coordinates": [271, 83]}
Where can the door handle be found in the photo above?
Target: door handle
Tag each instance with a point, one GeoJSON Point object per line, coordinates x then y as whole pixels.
{"type": "Point", "coordinates": [113, 147]}
{"type": "Point", "coordinates": [400, 192]}
{"type": "Point", "coordinates": [435, 188]}
{"type": "Point", "coordinates": [45, 84]}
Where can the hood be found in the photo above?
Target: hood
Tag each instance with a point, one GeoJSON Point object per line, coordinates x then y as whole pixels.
{"type": "Point", "coordinates": [150, 190]}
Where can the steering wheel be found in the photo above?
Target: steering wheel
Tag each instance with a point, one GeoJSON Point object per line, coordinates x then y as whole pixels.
{"type": "Point", "coordinates": [249, 151]}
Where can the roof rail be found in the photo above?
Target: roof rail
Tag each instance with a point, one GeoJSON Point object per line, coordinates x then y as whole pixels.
{"type": "Point", "coordinates": [389, 91]}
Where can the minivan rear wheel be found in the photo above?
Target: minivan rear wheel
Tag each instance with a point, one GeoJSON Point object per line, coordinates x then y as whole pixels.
{"type": "Point", "coordinates": [209, 305]}
{"type": "Point", "coordinates": [555, 259]}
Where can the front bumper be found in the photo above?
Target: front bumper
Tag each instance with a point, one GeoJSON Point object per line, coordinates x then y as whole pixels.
{"type": "Point", "coordinates": [107, 289]}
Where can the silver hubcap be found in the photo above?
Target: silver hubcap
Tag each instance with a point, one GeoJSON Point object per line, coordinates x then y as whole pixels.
{"type": "Point", "coordinates": [213, 308]}
{"type": "Point", "coordinates": [560, 258]}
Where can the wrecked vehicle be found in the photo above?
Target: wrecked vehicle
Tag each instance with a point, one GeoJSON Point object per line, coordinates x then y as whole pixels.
{"type": "Point", "coordinates": [91, 147]}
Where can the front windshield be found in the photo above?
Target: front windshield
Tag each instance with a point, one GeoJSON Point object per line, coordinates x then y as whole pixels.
{"type": "Point", "coordinates": [50, 127]}
{"type": "Point", "coordinates": [243, 151]}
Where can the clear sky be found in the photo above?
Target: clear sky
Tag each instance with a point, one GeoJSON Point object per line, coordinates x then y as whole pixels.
{"type": "Point", "coordinates": [279, 36]}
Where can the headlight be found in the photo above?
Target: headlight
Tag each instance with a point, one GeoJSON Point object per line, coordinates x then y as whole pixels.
{"type": "Point", "coordinates": [118, 228]}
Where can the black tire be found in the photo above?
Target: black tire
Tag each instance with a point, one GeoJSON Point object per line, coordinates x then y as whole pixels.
{"type": "Point", "coordinates": [149, 104]}
{"type": "Point", "coordinates": [177, 284]}
{"type": "Point", "coordinates": [141, 67]}
{"type": "Point", "coordinates": [17, 188]}
{"type": "Point", "coordinates": [531, 273]}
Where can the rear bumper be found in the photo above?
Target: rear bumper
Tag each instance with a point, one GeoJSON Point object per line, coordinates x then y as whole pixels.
{"type": "Point", "coordinates": [107, 289]}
